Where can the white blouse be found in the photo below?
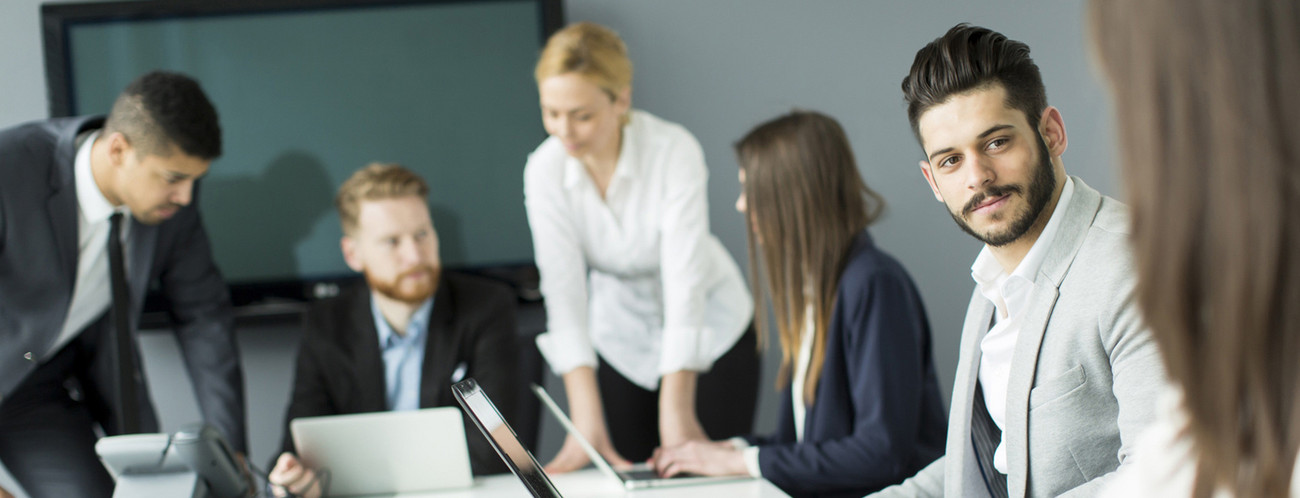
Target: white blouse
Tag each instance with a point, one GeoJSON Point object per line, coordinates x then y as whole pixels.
{"type": "Point", "coordinates": [637, 275]}
{"type": "Point", "coordinates": [1164, 463]}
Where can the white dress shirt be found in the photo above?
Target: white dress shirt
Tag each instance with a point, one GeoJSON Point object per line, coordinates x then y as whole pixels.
{"type": "Point", "coordinates": [1009, 295]}
{"type": "Point", "coordinates": [637, 275]}
{"type": "Point", "coordinates": [91, 292]}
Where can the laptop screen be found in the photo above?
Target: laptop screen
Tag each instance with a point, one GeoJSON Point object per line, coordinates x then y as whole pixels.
{"type": "Point", "coordinates": [503, 439]}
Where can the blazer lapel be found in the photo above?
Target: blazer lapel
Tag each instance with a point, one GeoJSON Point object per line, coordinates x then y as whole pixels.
{"type": "Point", "coordinates": [1075, 222]}
{"type": "Point", "coordinates": [367, 359]}
{"type": "Point", "coordinates": [440, 349]}
{"type": "Point", "coordinates": [960, 452]}
{"type": "Point", "coordinates": [62, 204]}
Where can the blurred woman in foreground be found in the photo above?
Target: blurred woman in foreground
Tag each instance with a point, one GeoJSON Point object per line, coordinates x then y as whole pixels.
{"type": "Point", "coordinates": [1207, 94]}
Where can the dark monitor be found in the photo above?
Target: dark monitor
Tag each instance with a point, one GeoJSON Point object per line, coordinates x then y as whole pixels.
{"type": "Point", "coordinates": [309, 91]}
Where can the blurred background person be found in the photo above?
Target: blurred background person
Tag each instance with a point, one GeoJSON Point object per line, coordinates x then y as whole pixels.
{"type": "Point", "coordinates": [646, 311]}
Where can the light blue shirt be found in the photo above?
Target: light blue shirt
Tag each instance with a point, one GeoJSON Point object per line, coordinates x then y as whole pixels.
{"type": "Point", "coordinates": [403, 356]}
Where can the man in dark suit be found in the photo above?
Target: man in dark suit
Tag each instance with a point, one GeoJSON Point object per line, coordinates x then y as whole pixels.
{"type": "Point", "coordinates": [399, 342]}
{"type": "Point", "coordinates": [65, 185]}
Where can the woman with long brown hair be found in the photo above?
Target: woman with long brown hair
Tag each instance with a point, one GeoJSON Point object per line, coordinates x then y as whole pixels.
{"type": "Point", "coordinates": [861, 408]}
{"type": "Point", "coordinates": [1206, 95]}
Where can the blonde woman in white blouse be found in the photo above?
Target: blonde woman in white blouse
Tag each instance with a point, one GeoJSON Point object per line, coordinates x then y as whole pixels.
{"type": "Point", "coordinates": [646, 311]}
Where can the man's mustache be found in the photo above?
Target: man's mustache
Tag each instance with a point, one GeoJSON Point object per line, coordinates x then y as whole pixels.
{"type": "Point", "coordinates": [996, 191]}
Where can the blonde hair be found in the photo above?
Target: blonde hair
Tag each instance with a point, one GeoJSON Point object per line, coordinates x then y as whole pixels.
{"type": "Point", "coordinates": [591, 50]}
{"type": "Point", "coordinates": [376, 181]}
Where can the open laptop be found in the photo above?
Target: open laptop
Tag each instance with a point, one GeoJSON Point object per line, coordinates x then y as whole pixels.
{"type": "Point", "coordinates": [386, 452]}
{"type": "Point", "coordinates": [503, 439]}
{"type": "Point", "coordinates": [637, 477]}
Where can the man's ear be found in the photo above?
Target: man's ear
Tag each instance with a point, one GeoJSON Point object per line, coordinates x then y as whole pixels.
{"type": "Point", "coordinates": [1052, 127]}
{"type": "Point", "coordinates": [118, 148]}
{"type": "Point", "coordinates": [351, 253]}
{"type": "Point", "coordinates": [929, 178]}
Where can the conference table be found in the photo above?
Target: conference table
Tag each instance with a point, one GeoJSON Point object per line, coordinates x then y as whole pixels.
{"type": "Point", "coordinates": [590, 483]}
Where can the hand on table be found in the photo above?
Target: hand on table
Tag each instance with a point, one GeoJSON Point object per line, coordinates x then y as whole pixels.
{"type": "Point", "coordinates": [705, 458]}
{"type": "Point", "coordinates": [291, 476]}
{"type": "Point", "coordinates": [572, 457]}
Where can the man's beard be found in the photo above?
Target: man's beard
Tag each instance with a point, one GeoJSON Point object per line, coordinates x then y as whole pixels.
{"type": "Point", "coordinates": [410, 293]}
{"type": "Point", "coordinates": [1040, 190]}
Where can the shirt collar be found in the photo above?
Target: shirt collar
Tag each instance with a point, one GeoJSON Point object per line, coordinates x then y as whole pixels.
{"type": "Point", "coordinates": [986, 271]}
{"type": "Point", "coordinates": [574, 171]}
{"type": "Point", "coordinates": [414, 328]}
{"type": "Point", "coordinates": [94, 206]}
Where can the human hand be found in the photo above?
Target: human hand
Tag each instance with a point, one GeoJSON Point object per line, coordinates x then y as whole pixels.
{"type": "Point", "coordinates": [572, 457]}
{"type": "Point", "coordinates": [291, 476]}
{"type": "Point", "coordinates": [705, 458]}
{"type": "Point", "coordinates": [5, 494]}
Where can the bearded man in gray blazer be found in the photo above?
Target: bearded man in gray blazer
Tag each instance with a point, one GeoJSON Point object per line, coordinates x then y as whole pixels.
{"type": "Point", "coordinates": [1057, 374]}
{"type": "Point", "coordinates": [65, 185]}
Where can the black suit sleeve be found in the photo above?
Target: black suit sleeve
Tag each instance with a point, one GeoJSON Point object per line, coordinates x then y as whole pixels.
{"type": "Point", "coordinates": [491, 362]}
{"type": "Point", "coordinates": [310, 396]}
{"type": "Point", "coordinates": [200, 308]}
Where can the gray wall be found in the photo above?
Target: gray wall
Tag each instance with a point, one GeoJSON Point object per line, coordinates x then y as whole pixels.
{"type": "Point", "coordinates": [721, 66]}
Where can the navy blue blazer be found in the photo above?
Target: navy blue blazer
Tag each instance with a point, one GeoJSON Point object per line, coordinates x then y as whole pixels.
{"type": "Point", "coordinates": [877, 417]}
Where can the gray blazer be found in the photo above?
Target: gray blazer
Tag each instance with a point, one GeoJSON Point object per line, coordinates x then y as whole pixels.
{"type": "Point", "coordinates": [1084, 374]}
{"type": "Point", "coordinates": [38, 265]}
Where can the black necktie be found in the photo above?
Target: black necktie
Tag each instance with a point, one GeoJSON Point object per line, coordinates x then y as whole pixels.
{"type": "Point", "coordinates": [986, 436]}
{"type": "Point", "coordinates": [123, 347]}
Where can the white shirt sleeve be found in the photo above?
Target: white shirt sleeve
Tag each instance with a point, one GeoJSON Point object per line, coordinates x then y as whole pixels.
{"type": "Point", "coordinates": [566, 344]}
{"type": "Point", "coordinates": [683, 258]}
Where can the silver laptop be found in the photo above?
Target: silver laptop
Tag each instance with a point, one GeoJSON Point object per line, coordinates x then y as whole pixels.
{"type": "Point", "coordinates": [637, 477]}
{"type": "Point", "coordinates": [386, 452]}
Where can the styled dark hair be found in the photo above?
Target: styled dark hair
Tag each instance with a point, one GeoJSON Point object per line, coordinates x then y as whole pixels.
{"type": "Point", "coordinates": [805, 203]}
{"type": "Point", "coordinates": [1206, 103]}
{"type": "Point", "coordinates": [968, 58]}
{"type": "Point", "coordinates": [161, 110]}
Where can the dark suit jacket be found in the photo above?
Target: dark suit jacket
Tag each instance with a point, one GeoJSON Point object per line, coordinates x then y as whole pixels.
{"type": "Point", "coordinates": [340, 369]}
{"type": "Point", "coordinates": [877, 417]}
{"type": "Point", "coordinates": [38, 265]}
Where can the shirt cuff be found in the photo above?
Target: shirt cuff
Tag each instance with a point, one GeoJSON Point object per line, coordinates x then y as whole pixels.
{"type": "Point", "coordinates": [738, 443]}
{"type": "Point", "coordinates": [750, 455]}
{"type": "Point", "coordinates": [682, 349]}
{"type": "Point", "coordinates": [565, 352]}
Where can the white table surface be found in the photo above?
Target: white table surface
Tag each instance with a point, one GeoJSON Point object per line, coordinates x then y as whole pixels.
{"type": "Point", "coordinates": [590, 483]}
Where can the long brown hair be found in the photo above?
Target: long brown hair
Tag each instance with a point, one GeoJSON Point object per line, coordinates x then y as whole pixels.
{"type": "Point", "coordinates": [805, 203]}
{"type": "Point", "coordinates": [1207, 95]}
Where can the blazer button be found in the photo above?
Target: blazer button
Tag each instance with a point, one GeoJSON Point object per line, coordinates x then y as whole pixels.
{"type": "Point", "coordinates": [28, 355]}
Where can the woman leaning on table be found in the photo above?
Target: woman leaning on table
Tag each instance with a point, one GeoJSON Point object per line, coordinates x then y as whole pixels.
{"type": "Point", "coordinates": [646, 312]}
{"type": "Point", "coordinates": [1207, 95]}
{"type": "Point", "coordinates": [861, 409]}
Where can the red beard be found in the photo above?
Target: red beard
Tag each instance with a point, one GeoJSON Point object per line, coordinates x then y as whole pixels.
{"type": "Point", "coordinates": [410, 292]}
